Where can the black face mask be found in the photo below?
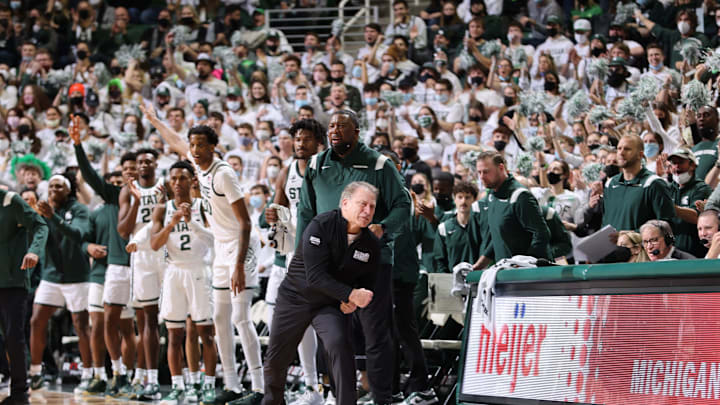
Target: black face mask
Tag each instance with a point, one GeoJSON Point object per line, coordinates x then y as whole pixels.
{"type": "Point", "coordinates": [337, 79]}
{"type": "Point", "coordinates": [475, 118]}
{"type": "Point", "coordinates": [84, 14]}
{"type": "Point", "coordinates": [114, 93]}
{"type": "Point", "coordinates": [611, 170]}
{"type": "Point", "coordinates": [81, 55]}
{"type": "Point", "coordinates": [187, 21]}
{"type": "Point", "coordinates": [616, 79]}
{"type": "Point", "coordinates": [23, 129]}
{"type": "Point", "coordinates": [554, 178]}
{"type": "Point", "coordinates": [613, 39]}
{"type": "Point", "coordinates": [509, 101]}
{"type": "Point", "coordinates": [477, 80]}
{"type": "Point", "coordinates": [115, 70]}
{"type": "Point", "coordinates": [499, 145]}
{"type": "Point", "coordinates": [550, 86]}
{"type": "Point", "coordinates": [594, 146]}
{"type": "Point", "coordinates": [164, 23]}
{"type": "Point", "coordinates": [552, 32]}
{"type": "Point", "coordinates": [537, 179]}
{"type": "Point", "coordinates": [596, 52]}
{"type": "Point", "coordinates": [272, 48]}
{"type": "Point", "coordinates": [76, 101]}
{"type": "Point", "coordinates": [408, 153]}
{"type": "Point", "coordinates": [444, 199]}
{"type": "Point", "coordinates": [418, 188]}
{"type": "Point", "coordinates": [235, 24]}
{"type": "Point", "coordinates": [424, 77]}
{"type": "Point", "coordinates": [342, 148]}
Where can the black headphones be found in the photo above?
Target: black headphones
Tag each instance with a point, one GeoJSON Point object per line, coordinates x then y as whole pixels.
{"type": "Point", "coordinates": [665, 229]}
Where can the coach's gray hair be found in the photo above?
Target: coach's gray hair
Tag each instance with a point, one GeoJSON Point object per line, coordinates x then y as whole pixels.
{"type": "Point", "coordinates": [351, 188]}
{"type": "Point", "coordinates": [662, 226]}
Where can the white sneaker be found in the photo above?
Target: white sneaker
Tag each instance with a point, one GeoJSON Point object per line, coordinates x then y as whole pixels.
{"type": "Point", "coordinates": [82, 387]}
{"type": "Point", "coordinates": [310, 397]}
{"type": "Point", "coordinates": [330, 400]}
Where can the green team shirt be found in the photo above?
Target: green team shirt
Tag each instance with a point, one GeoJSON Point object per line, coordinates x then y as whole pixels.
{"type": "Point", "coordinates": [706, 154]}
{"type": "Point", "coordinates": [629, 204]}
{"type": "Point", "coordinates": [67, 263]}
{"type": "Point", "coordinates": [516, 224]}
{"type": "Point", "coordinates": [406, 267]}
{"type": "Point", "coordinates": [560, 242]}
{"type": "Point", "coordinates": [686, 236]}
{"type": "Point", "coordinates": [327, 175]}
{"type": "Point", "coordinates": [22, 231]}
{"type": "Point", "coordinates": [110, 194]}
{"type": "Point", "coordinates": [103, 222]}
{"type": "Point", "coordinates": [455, 243]}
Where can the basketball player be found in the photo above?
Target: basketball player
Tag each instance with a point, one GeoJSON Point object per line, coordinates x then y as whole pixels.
{"type": "Point", "coordinates": [234, 268]}
{"type": "Point", "coordinates": [137, 201]}
{"type": "Point", "coordinates": [307, 135]}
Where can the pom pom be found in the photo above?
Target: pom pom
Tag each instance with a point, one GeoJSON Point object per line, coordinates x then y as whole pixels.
{"type": "Point", "coordinates": [711, 59]}
{"type": "Point", "coordinates": [58, 155]}
{"type": "Point", "coordinates": [524, 164]}
{"type": "Point", "coordinates": [337, 27]}
{"type": "Point", "coordinates": [569, 88]}
{"type": "Point", "coordinates": [181, 35]}
{"type": "Point", "coordinates": [102, 74]}
{"type": "Point", "coordinates": [624, 13]}
{"type": "Point", "coordinates": [536, 144]}
{"type": "Point", "coordinates": [226, 57]}
{"type": "Point", "coordinates": [598, 69]}
{"type": "Point", "coordinates": [394, 98]}
{"type": "Point", "coordinates": [533, 102]}
{"type": "Point", "coordinates": [21, 147]}
{"type": "Point", "coordinates": [126, 140]}
{"type": "Point", "coordinates": [519, 58]}
{"type": "Point", "coordinates": [591, 172]}
{"type": "Point", "coordinates": [466, 60]}
{"type": "Point", "coordinates": [127, 53]}
{"type": "Point", "coordinates": [598, 114]}
{"type": "Point", "coordinates": [58, 79]}
{"type": "Point", "coordinates": [629, 108]}
{"type": "Point", "coordinates": [237, 39]}
{"type": "Point", "coordinates": [695, 95]}
{"type": "Point", "coordinates": [645, 91]}
{"type": "Point", "coordinates": [96, 148]}
{"type": "Point", "coordinates": [491, 48]}
{"type": "Point", "coordinates": [690, 51]}
{"type": "Point", "coordinates": [578, 104]}
{"type": "Point", "coordinates": [469, 159]}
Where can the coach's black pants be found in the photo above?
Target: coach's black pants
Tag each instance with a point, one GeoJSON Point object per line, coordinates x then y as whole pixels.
{"type": "Point", "coordinates": [12, 322]}
{"type": "Point", "coordinates": [406, 331]}
{"type": "Point", "coordinates": [292, 316]}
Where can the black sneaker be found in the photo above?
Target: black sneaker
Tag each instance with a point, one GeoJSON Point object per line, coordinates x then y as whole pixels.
{"type": "Point", "coordinates": [253, 398]}
{"type": "Point", "coordinates": [226, 396]}
{"type": "Point", "coordinates": [17, 399]}
{"type": "Point", "coordinates": [117, 382]}
{"type": "Point", "coordinates": [37, 382]}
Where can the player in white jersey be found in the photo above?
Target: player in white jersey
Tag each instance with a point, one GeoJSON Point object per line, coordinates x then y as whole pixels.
{"type": "Point", "coordinates": [137, 201]}
{"type": "Point", "coordinates": [234, 268]}
{"type": "Point", "coordinates": [307, 136]}
{"type": "Point", "coordinates": [179, 226]}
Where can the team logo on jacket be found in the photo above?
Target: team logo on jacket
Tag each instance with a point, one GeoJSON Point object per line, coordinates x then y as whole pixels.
{"type": "Point", "coordinates": [361, 256]}
{"type": "Point", "coordinates": [314, 240]}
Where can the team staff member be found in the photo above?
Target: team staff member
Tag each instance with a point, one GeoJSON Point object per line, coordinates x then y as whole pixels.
{"type": "Point", "coordinates": [635, 195]}
{"type": "Point", "coordinates": [23, 237]}
{"type": "Point", "coordinates": [326, 176]}
{"type": "Point", "coordinates": [64, 275]}
{"type": "Point", "coordinates": [332, 273]}
{"type": "Point", "coordinates": [686, 189]}
{"type": "Point", "coordinates": [514, 217]}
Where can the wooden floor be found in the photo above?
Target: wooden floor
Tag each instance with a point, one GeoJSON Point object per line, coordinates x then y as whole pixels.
{"type": "Point", "coordinates": [53, 396]}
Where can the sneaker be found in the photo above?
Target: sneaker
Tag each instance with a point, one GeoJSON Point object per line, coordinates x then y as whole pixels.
{"type": "Point", "coordinates": [253, 398]}
{"type": "Point", "coordinates": [192, 393]}
{"type": "Point", "coordinates": [37, 382]}
{"type": "Point", "coordinates": [134, 391]}
{"type": "Point", "coordinates": [151, 392]}
{"type": "Point", "coordinates": [174, 397]}
{"type": "Point", "coordinates": [208, 394]}
{"type": "Point", "coordinates": [365, 399]}
{"type": "Point", "coordinates": [427, 397]}
{"type": "Point", "coordinates": [309, 397]}
{"type": "Point", "coordinates": [330, 400]}
{"type": "Point", "coordinates": [96, 387]}
{"type": "Point", "coordinates": [116, 384]}
{"type": "Point", "coordinates": [82, 387]}
{"type": "Point", "coordinates": [397, 398]}
{"type": "Point", "coordinates": [226, 396]}
{"type": "Point", "coordinates": [16, 400]}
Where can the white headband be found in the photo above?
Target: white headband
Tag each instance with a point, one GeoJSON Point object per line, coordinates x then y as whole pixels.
{"type": "Point", "coordinates": [61, 178]}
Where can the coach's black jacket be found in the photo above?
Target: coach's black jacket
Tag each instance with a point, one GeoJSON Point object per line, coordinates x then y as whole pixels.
{"type": "Point", "coordinates": [324, 269]}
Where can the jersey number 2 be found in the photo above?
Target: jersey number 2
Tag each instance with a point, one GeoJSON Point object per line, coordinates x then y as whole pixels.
{"type": "Point", "coordinates": [145, 212]}
{"type": "Point", "coordinates": [185, 242]}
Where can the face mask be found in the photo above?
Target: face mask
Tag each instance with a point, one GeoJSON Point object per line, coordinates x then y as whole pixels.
{"type": "Point", "coordinates": [682, 178]}
{"type": "Point", "coordinates": [391, 68]}
{"type": "Point", "coordinates": [408, 97]}
{"type": "Point", "coordinates": [616, 79]}
{"type": "Point", "coordinates": [77, 101]}
{"type": "Point", "coordinates": [408, 153]}
{"type": "Point", "coordinates": [23, 129]}
{"type": "Point", "coordinates": [357, 72]}
{"type": "Point", "coordinates": [187, 21]}
{"type": "Point", "coordinates": [596, 52]}
{"type": "Point", "coordinates": [657, 67]}
{"type": "Point", "coordinates": [381, 123]}
{"type": "Point", "coordinates": [272, 48]}
{"type": "Point", "coordinates": [342, 148]}
{"type": "Point", "coordinates": [651, 149]}
{"type": "Point", "coordinates": [52, 123]}
{"type": "Point", "coordinates": [553, 178]}
{"type": "Point", "coordinates": [256, 201]}
{"type": "Point", "coordinates": [272, 171]}
{"type": "Point", "coordinates": [309, 48]}
{"type": "Point", "coordinates": [552, 32]}
{"type": "Point", "coordinates": [425, 121]}
{"type": "Point", "coordinates": [418, 188]}
{"type": "Point", "coordinates": [550, 86]}
{"type": "Point", "coordinates": [201, 118]}
{"type": "Point", "coordinates": [13, 121]}
{"type": "Point", "coordinates": [458, 134]}
{"type": "Point", "coordinates": [84, 13]}
{"type": "Point", "coordinates": [683, 27]}
{"type": "Point", "coordinates": [292, 74]}
{"type": "Point", "coordinates": [371, 101]}
{"type": "Point", "coordinates": [581, 39]}
{"type": "Point", "coordinates": [164, 22]}
{"type": "Point", "coordinates": [245, 141]}
{"type": "Point", "coordinates": [28, 99]}
{"type": "Point", "coordinates": [233, 105]}
{"type": "Point", "coordinates": [509, 101]}
{"type": "Point", "coordinates": [470, 140]}
{"type": "Point", "coordinates": [263, 134]}
{"type": "Point", "coordinates": [476, 80]}
{"type": "Point", "coordinates": [300, 103]}
{"type": "Point", "coordinates": [511, 37]}
{"type": "Point", "coordinates": [475, 118]}
{"type": "Point", "coordinates": [129, 127]}
{"type": "Point", "coordinates": [443, 98]}
{"type": "Point", "coordinates": [611, 170]}
{"type": "Point", "coordinates": [115, 70]}
{"type": "Point", "coordinates": [4, 144]}
{"type": "Point", "coordinates": [424, 77]}
{"type": "Point", "coordinates": [499, 145]}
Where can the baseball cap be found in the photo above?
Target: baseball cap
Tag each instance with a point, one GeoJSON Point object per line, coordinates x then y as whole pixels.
{"type": "Point", "coordinates": [203, 57]}
{"type": "Point", "coordinates": [77, 87]}
{"type": "Point", "coordinates": [91, 99]}
{"type": "Point", "coordinates": [553, 19]}
{"type": "Point", "coordinates": [582, 25]}
{"type": "Point", "coordinates": [618, 61]}
{"type": "Point", "coordinates": [235, 91]}
{"type": "Point", "coordinates": [429, 65]}
{"type": "Point", "coordinates": [684, 153]}
{"type": "Point", "coordinates": [600, 38]}
{"type": "Point", "coordinates": [163, 91]}
{"type": "Point", "coordinates": [61, 132]}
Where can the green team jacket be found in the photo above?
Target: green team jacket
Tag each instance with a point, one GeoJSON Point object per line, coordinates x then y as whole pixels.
{"type": "Point", "coordinates": [455, 243]}
{"type": "Point", "coordinates": [516, 224]}
{"type": "Point", "coordinates": [706, 153]}
{"type": "Point", "coordinates": [406, 266]}
{"type": "Point", "coordinates": [103, 222]}
{"type": "Point", "coordinates": [327, 175]}
{"type": "Point", "coordinates": [22, 231]}
{"type": "Point", "coordinates": [560, 242]}
{"type": "Point", "coordinates": [110, 194]}
{"type": "Point", "coordinates": [67, 262]}
{"type": "Point", "coordinates": [686, 235]}
{"type": "Point", "coordinates": [627, 205]}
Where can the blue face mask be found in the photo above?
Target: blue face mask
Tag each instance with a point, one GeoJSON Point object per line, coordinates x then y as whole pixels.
{"type": "Point", "coordinates": [203, 118]}
{"type": "Point", "coordinates": [651, 149]}
{"type": "Point", "coordinates": [256, 201]}
{"type": "Point", "coordinates": [357, 72]}
{"type": "Point", "coordinates": [657, 67]}
{"type": "Point", "coordinates": [470, 140]}
{"type": "Point", "coordinates": [391, 68]}
{"type": "Point", "coordinates": [443, 98]}
{"type": "Point", "coordinates": [300, 103]}
{"type": "Point", "coordinates": [245, 141]}
{"type": "Point", "coordinates": [407, 97]}
{"type": "Point", "coordinates": [371, 100]}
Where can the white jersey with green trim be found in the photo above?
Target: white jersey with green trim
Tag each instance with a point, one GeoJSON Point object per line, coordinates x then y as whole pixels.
{"type": "Point", "coordinates": [184, 247]}
{"type": "Point", "coordinates": [293, 184]}
{"type": "Point", "coordinates": [149, 198]}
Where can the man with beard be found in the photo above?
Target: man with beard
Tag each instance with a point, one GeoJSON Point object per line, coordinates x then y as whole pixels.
{"type": "Point", "coordinates": [206, 86]}
{"type": "Point", "coordinates": [635, 195]}
{"type": "Point", "coordinates": [617, 84]}
{"type": "Point", "coordinates": [328, 173]}
{"type": "Point", "coordinates": [704, 133]}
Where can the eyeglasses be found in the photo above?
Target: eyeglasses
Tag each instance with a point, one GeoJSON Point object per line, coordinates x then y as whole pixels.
{"type": "Point", "coordinates": [651, 241]}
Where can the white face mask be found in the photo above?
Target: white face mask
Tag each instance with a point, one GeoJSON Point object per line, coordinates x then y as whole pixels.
{"type": "Point", "coordinates": [4, 145]}
{"type": "Point", "coordinates": [272, 171]}
{"type": "Point", "coordinates": [381, 123]}
{"type": "Point", "coordinates": [233, 105]}
{"type": "Point", "coordinates": [510, 37]}
{"type": "Point", "coordinates": [682, 178]}
{"type": "Point", "coordinates": [129, 127]}
{"type": "Point", "coordinates": [683, 27]}
{"type": "Point", "coordinates": [459, 135]}
{"type": "Point", "coordinates": [262, 134]}
{"type": "Point", "coordinates": [581, 39]}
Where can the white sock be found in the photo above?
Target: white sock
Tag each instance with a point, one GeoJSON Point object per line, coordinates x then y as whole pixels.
{"type": "Point", "coordinates": [100, 373]}
{"type": "Point", "coordinates": [225, 341]}
{"type": "Point", "coordinates": [87, 373]}
{"type": "Point", "coordinates": [123, 369]}
{"type": "Point", "coordinates": [177, 382]}
{"type": "Point", "coordinates": [210, 380]}
{"type": "Point", "coordinates": [35, 369]}
{"type": "Point", "coordinates": [186, 376]}
{"type": "Point", "coordinates": [195, 377]}
{"type": "Point", "coordinates": [139, 375]}
{"type": "Point", "coordinates": [117, 367]}
{"type": "Point", "coordinates": [152, 376]}
{"type": "Point", "coordinates": [248, 339]}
